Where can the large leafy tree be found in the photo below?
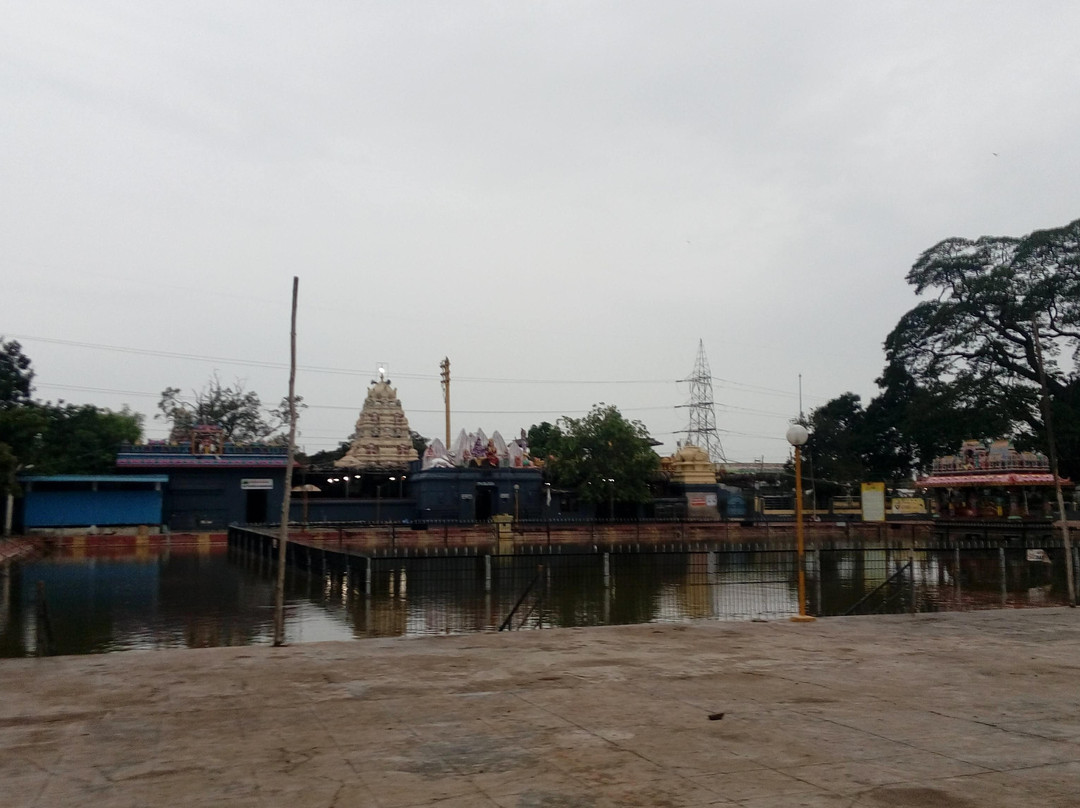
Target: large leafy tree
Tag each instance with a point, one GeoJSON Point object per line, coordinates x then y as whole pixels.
{"type": "Point", "coordinates": [65, 438]}
{"type": "Point", "coordinates": [603, 457]}
{"type": "Point", "coordinates": [238, 411]}
{"type": "Point", "coordinates": [60, 438]}
{"type": "Point", "coordinates": [963, 362]}
{"type": "Point", "coordinates": [83, 439]}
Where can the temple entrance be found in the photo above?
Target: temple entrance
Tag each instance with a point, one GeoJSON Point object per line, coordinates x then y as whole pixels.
{"type": "Point", "coordinates": [484, 502]}
{"type": "Point", "coordinates": [255, 506]}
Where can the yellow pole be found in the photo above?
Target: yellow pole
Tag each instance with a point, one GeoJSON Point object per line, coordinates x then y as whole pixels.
{"type": "Point", "coordinates": [802, 616]}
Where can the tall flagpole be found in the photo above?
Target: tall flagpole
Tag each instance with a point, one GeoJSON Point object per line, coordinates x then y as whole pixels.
{"type": "Point", "coordinates": [283, 537]}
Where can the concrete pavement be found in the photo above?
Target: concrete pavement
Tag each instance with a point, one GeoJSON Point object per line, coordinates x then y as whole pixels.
{"type": "Point", "coordinates": [958, 710]}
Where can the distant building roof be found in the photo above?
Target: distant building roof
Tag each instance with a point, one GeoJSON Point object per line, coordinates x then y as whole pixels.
{"type": "Point", "coordinates": [180, 455]}
{"type": "Point", "coordinates": [752, 468]}
{"type": "Point", "coordinates": [95, 478]}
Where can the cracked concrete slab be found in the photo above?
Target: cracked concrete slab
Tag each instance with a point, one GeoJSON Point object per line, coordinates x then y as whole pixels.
{"type": "Point", "coordinates": [959, 710]}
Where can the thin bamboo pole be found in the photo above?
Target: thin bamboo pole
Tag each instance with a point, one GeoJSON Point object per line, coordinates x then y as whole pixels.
{"type": "Point", "coordinates": [283, 537]}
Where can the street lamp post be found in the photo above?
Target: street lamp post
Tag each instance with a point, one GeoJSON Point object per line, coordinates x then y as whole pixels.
{"type": "Point", "coordinates": [797, 436]}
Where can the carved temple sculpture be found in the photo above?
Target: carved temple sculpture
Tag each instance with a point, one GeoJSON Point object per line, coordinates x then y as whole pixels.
{"type": "Point", "coordinates": [381, 440]}
{"type": "Point", "coordinates": [476, 449]}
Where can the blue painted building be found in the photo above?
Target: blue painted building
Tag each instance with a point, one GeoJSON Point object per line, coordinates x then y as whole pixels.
{"type": "Point", "coordinates": [478, 493]}
{"type": "Point", "coordinates": [73, 500]}
{"type": "Point", "coordinates": [212, 487]}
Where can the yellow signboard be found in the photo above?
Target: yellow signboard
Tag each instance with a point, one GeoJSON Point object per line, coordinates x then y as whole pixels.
{"type": "Point", "coordinates": [908, 505]}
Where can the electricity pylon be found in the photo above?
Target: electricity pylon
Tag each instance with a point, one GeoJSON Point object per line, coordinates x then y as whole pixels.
{"type": "Point", "coordinates": [701, 431]}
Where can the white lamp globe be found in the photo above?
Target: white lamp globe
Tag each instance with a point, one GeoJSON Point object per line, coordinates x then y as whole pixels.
{"type": "Point", "coordinates": [797, 435]}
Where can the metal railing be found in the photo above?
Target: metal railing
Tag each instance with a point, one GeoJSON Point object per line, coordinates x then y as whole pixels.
{"type": "Point", "coordinates": [462, 589]}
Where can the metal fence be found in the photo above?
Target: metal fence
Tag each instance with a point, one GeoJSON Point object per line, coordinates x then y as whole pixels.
{"type": "Point", "coordinates": [469, 590]}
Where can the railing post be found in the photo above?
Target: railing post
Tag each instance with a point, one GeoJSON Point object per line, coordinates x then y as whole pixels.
{"type": "Point", "coordinates": [911, 590]}
{"type": "Point", "coordinates": [956, 575]}
{"type": "Point", "coordinates": [1075, 561]}
{"type": "Point", "coordinates": [817, 580]}
{"type": "Point", "coordinates": [487, 572]}
{"type": "Point", "coordinates": [1004, 582]}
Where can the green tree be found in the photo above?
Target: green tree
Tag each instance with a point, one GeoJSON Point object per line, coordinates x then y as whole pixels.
{"type": "Point", "coordinates": [16, 376]}
{"type": "Point", "coordinates": [963, 361]}
{"type": "Point", "coordinates": [49, 438]}
{"type": "Point", "coordinates": [838, 445]}
{"type": "Point", "coordinates": [63, 438]}
{"type": "Point", "coordinates": [239, 413]}
{"type": "Point", "coordinates": [83, 439]}
{"type": "Point", "coordinates": [604, 457]}
{"type": "Point", "coordinates": [543, 440]}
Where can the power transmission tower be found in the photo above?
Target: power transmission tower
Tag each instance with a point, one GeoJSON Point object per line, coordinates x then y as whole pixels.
{"type": "Point", "coordinates": [702, 429]}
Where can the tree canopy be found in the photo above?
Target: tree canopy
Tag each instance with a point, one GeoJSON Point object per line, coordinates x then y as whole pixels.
{"type": "Point", "coordinates": [601, 456]}
{"type": "Point", "coordinates": [60, 438]}
{"type": "Point", "coordinates": [963, 362]}
{"type": "Point", "coordinates": [16, 376]}
{"type": "Point", "coordinates": [237, 411]}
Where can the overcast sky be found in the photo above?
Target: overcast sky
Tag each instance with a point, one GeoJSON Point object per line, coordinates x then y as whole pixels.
{"type": "Point", "coordinates": [561, 197]}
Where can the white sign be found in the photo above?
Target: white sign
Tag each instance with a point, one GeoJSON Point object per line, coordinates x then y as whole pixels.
{"type": "Point", "coordinates": [256, 484]}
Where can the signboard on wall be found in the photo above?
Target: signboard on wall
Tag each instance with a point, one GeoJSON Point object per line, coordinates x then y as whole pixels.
{"type": "Point", "coordinates": [701, 500]}
{"type": "Point", "coordinates": [873, 502]}
{"type": "Point", "coordinates": [908, 505]}
{"type": "Point", "coordinates": [256, 484]}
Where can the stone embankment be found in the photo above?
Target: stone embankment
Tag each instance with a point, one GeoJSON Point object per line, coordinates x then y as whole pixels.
{"type": "Point", "coordinates": [505, 536]}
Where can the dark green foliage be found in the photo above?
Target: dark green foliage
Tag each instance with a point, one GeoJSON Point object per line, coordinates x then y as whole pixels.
{"type": "Point", "coordinates": [602, 457]}
{"type": "Point", "coordinates": [962, 364]}
{"type": "Point", "coordinates": [48, 438]}
{"type": "Point", "coordinates": [16, 376]}
{"type": "Point", "coordinates": [543, 440]}
{"type": "Point", "coordinates": [83, 439]}
{"type": "Point", "coordinates": [65, 438]}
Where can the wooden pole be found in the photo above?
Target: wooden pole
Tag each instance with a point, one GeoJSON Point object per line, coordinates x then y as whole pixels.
{"type": "Point", "coordinates": [283, 537]}
{"type": "Point", "coordinates": [1048, 420]}
{"type": "Point", "coordinates": [445, 367]}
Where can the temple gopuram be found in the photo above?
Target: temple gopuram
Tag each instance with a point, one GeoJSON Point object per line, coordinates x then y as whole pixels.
{"type": "Point", "coordinates": [992, 481]}
{"type": "Point", "coordinates": [381, 441]}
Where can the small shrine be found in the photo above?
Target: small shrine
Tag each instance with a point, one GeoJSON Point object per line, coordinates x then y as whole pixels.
{"type": "Point", "coordinates": [691, 465]}
{"type": "Point", "coordinates": [381, 440]}
{"type": "Point", "coordinates": [693, 474]}
{"type": "Point", "coordinates": [992, 481]}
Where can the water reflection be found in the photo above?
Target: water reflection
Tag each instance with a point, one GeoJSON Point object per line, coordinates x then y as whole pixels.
{"type": "Point", "coordinates": [211, 596]}
{"type": "Point", "coordinates": [114, 602]}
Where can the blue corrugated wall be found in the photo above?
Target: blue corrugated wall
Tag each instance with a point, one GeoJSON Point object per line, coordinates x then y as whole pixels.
{"type": "Point", "coordinates": [83, 508]}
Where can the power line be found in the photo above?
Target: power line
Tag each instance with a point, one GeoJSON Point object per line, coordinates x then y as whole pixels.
{"type": "Point", "coordinates": [368, 372]}
{"type": "Point", "coordinates": [356, 408]}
